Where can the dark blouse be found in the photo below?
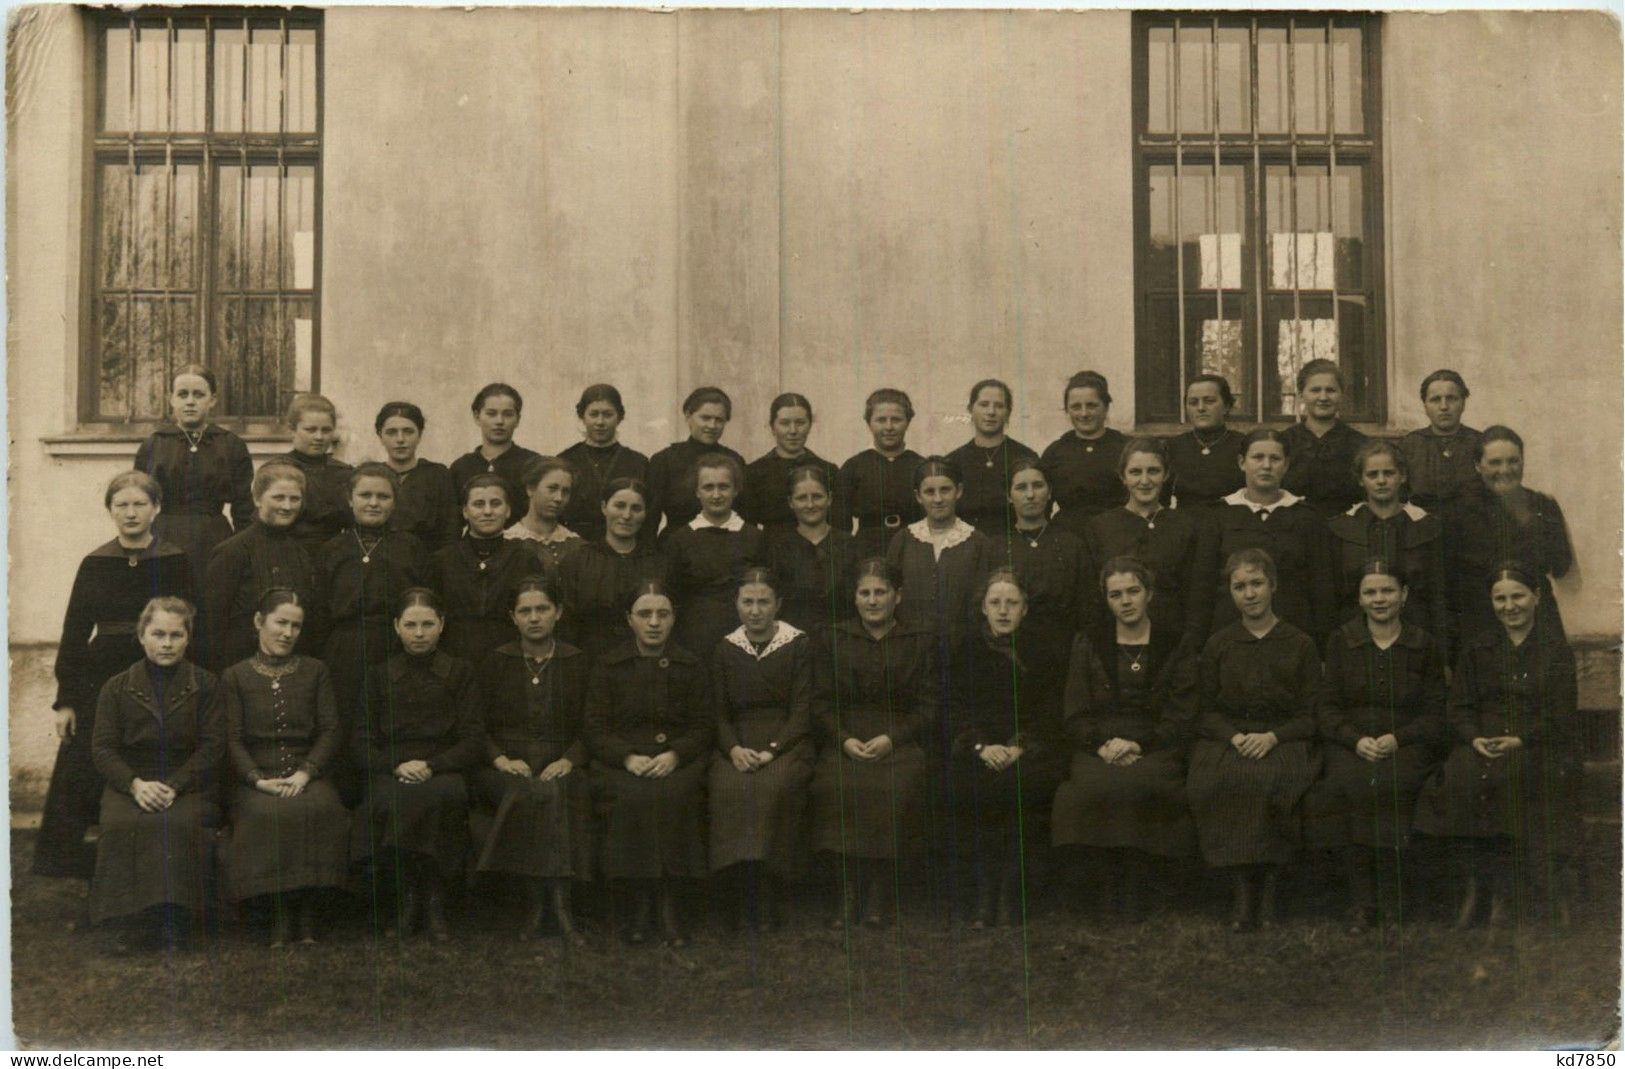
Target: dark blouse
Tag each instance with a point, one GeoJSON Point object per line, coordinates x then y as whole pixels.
{"type": "Point", "coordinates": [1203, 470]}
{"type": "Point", "coordinates": [534, 716]}
{"type": "Point", "coordinates": [326, 508]}
{"type": "Point", "coordinates": [1251, 684]}
{"type": "Point", "coordinates": [426, 506]}
{"type": "Point", "coordinates": [1480, 533]}
{"type": "Point", "coordinates": [671, 483]}
{"type": "Point", "coordinates": [1011, 696]}
{"type": "Point", "coordinates": [1296, 539]}
{"type": "Point", "coordinates": [1083, 476]}
{"type": "Point", "coordinates": [779, 684]}
{"type": "Point", "coordinates": [1106, 698]}
{"type": "Point", "coordinates": [1412, 542]}
{"type": "Point", "coordinates": [1372, 692]}
{"type": "Point", "coordinates": [358, 589]}
{"type": "Point", "coordinates": [597, 583]}
{"type": "Point", "coordinates": [1181, 548]}
{"type": "Point", "coordinates": [894, 676]}
{"type": "Point", "coordinates": [420, 708]}
{"type": "Point", "coordinates": [220, 473]}
{"type": "Point", "coordinates": [241, 568]}
{"type": "Point", "coordinates": [985, 504]}
{"type": "Point", "coordinates": [549, 555]}
{"type": "Point", "coordinates": [1052, 566]}
{"type": "Point", "coordinates": [765, 499]}
{"type": "Point", "coordinates": [110, 589]}
{"type": "Point", "coordinates": [475, 577]}
{"type": "Point", "coordinates": [818, 579]}
{"type": "Point", "coordinates": [1442, 467]}
{"type": "Point", "coordinates": [939, 593]}
{"type": "Point", "coordinates": [159, 724]}
{"type": "Point", "coordinates": [706, 561]}
{"type": "Point", "coordinates": [1321, 470]}
{"type": "Point", "coordinates": [276, 726]}
{"type": "Point", "coordinates": [648, 705]}
{"type": "Point", "coordinates": [1528, 690]}
{"type": "Point", "coordinates": [596, 467]}
{"type": "Point", "coordinates": [510, 465]}
{"type": "Point", "coordinates": [878, 492]}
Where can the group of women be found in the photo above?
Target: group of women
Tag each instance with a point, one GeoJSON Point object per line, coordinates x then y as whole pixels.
{"type": "Point", "coordinates": [398, 676]}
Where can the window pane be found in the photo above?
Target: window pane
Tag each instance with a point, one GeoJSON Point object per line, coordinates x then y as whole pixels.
{"type": "Point", "coordinates": [190, 78]}
{"type": "Point", "coordinates": [1212, 213]}
{"type": "Point", "coordinates": [252, 253]}
{"type": "Point", "coordinates": [1212, 345]}
{"type": "Point", "coordinates": [1157, 364]}
{"type": "Point", "coordinates": [299, 219]}
{"type": "Point", "coordinates": [1309, 78]}
{"type": "Point", "coordinates": [1272, 68]}
{"type": "Point", "coordinates": [1160, 72]}
{"type": "Point", "coordinates": [265, 79]}
{"type": "Point", "coordinates": [1348, 79]}
{"type": "Point", "coordinates": [1235, 93]}
{"type": "Point", "coordinates": [228, 78]}
{"type": "Point", "coordinates": [1196, 78]}
{"type": "Point", "coordinates": [116, 90]}
{"type": "Point", "coordinates": [301, 81]}
{"type": "Point", "coordinates": [1316, 227]}
{"type": "Point", "coordinates": [1348, 201]}
{"type": "Point", "coordinates": [113, 351]}
{"type": "Point", "coordinates": [152, 78]}
{"type": "Point", "coordinates": [113, 235]}
{"type": "Point", "coordinates": [1292, 339]}
{"type": "Point", "coordinates": [257, 348]}
{"type": "Point", "coordinates": [141, 340]}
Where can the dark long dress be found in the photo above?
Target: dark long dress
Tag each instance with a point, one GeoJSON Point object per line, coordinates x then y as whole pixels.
{"type": "Point", "coordinates": [596, 467]}
{"type": "Point", "coordinates": [1052, 567]}
{"type": "Point", "coordinates": [362, 592]}
{"type": "Point", "coordinates": [652, 826]}
{"type": "Point", "coordinates": [510, 465]}
{"type": "Point", "coordinates": [1369, 692]}
{"type": "Point", "coordinates": [110, 589]}
{"type": "Point", "coordinates": [1083, 476]}
{"type": "Point", "coordinates": [326, 508]}
{"type": "Point", "coordinates": [1532, 794]}
{"type": "Point", "coordinates": [765, 501]}
{"type": "Point", "coordinates": [1321, 470]}
{"type": "Point", "coordinates": [597, 583]}
{"type": "Point", "coordinates": [1442, 467]}
{"type": "Point", "coordinates": [705, 563]}
{"type": "Point", "coordinates": [242, 568]}
{"type": "Point", "coordinates": [1181, 548]}
{"type": "Point", "coordinates": [877, 492]}
{"type": "Point", "coordinates": [475, 577]}
{"type": "Point", "coordinates": [276, 725]}
{"type": "Point", "coordinates": [540, 829]}
{"type": "Point", "coordinates": [1295, 537]}
{"type": "Point", "coordinates": [764, 701]}
{"type": "Point", "coordinates": [426, 505]}
{"type": "Point", "coordinates": [419, 708]}
{"type": "Point", "coordinates": [818, 579]}
{"type": "Point", "coordinates": [1412, 542]}
{"type": "Point", "coordinates": [198, 483]}
{"type": "Point", "coordinates": [869, 687]}
{"type": "Point", "coordinates": [1203, 471]}
{"type": "Point", "coordinates": [985, 503]}
{"type": "Point", "coordinates": [160, 725]}
{"type": "Point", "coordinates": [1139, 806]}
{"type": "Point", "coordinates": [1247, 811]}
{"type": "Point", "coordinates": [671, 484]}
{"type": "Point", "coordinates": [1481, 533]}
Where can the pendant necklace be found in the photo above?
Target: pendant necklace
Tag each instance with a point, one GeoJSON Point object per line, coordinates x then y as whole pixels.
{"type": "Point", "coordinates": [1032, 539]}
{"type": "Point", "coordinates": [537, 666]}
{"type": "Point", "coordinates": [1207, 446]}
{"type": "Point", "coordinates": [275, 672]}
{"type": "Point", "coordinates": [366, 549]}
{"type": "Point", "coordinates": [1134, 662]}
{"type": "Point", "coordinates": [193, 442]}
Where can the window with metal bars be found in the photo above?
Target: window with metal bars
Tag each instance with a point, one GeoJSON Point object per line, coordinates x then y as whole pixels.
{"type": "Point", "coordinates": [205, 217]}
{"type": "Point", "coordinates": [1257, 222]}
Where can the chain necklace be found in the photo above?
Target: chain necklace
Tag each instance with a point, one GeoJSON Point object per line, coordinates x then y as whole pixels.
{"type": "Point", "coordinates": [602, 471]}
{"type": "Point", "coordinates": [1033, 536]}
{"type": "Point", "coordinates": [274, 672]}
{"type": "Point", "coordinates": [193, 442]}
{"type": "Point", "coordinates": [1207, 446]}
{"type": "Point", "coordinates": [1134, 661]}
{"type": "Point", "coordinates": [366, 547]}
{"type": "Point", "coordinates": [538, 665]}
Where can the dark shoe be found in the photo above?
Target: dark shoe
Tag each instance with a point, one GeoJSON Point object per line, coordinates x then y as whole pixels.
{"type": "Point", "coordinates": [671, 931]}
{"type": "Point", "coordinates": [307, 919]}
{"type": "Point", "coordinates": [846, 904]}
{"type": "Point", "coordinates": [768, 918]}
{"type": "Point", "coordinates": [1468, 911]}
{"type": "Point", "coordinates": [1266, 899]}
{"type": "Point", "coordinates": [281, 925]}
{"type": "Point", "coordinates": [1241, 903]}
{"type": "Point", "coordinates": [986, 913]}
{"type": "Point", "coordinates": [874, 903]}
{"type": "Point", "coordinates": [406, 915]}
{"type": "Point", "coordinates": [562, 915]}
{"type": "Point", "coordinates": [1010, 906]}
{"type": "Point", "coordinates": [434, 915]}
{"type": "Point", "coordinates": [1358, 919]}
{"type": "Point", "coordinates": [1499, 904]}
{"type": "Point", "coordinates": [642, 909]}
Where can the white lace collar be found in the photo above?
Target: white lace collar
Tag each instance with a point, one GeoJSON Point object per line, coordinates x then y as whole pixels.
{"type": "Point", "coordinates": [1415, 512]}
{"type": "Point", "coordinates": [782, 636]}
{"type": "Point", "coordinates": [735, 523]}
{"type": "Point", "coordinates": [1240, 498]}
{"type": "Point", "coordinates": [560, 533]}
{"type": "Point", "coordinates": [941, 541]}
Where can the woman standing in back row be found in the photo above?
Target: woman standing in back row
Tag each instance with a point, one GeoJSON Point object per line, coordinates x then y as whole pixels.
{"type": "Point", "coordinates": [598, 459]}
{"type": "Point", "coordinates": [876, 487]}
{"type": "Point", "coordinates": [764, 499]}
{"type": "Point", "coordinates": [1082, 463]}
{"type": "Point", "coordinates": [988, 459]}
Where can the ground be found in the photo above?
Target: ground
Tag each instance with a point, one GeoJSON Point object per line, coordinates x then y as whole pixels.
{"type": "Point", "coordinates": [1065, 981]}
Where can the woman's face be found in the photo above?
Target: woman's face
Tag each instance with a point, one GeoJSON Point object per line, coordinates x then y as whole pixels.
{"type": "Point", "coordinates": [372, 501]}
{"type": "Point", "coordinates": [534, 616]}
{"type": "Point", "coordinates": [1444, 405]}
{"type": "Point", "coordinates": [190, 401]}
{"type": "Point", "coordinates": [1321, 396]}
{"type": "Point", "coordinates": [164, 638]}
{"type": "Point", "coordinates": [810, 502]}
{"type": "Point", "coordinates": [624, 513]}
{"type": "Point", "coordinates": [550, 497]}
{"type": "Point", "coordinates": [758, 608]}
{"type": "Point", "coordinates": [278, 504]}
{"type": "Point", "coordinates": [279, 629]}
{"type": "Point", "coordinates": [716, 491]}
{"type": "Point", "coordinates": [706, 423]}
{"type": "Point", "coordinates": [1514, 604]}
{"type": "Point", "coordinates": [876, 600]}
{"type": "Point", "coordinates": [1127, 597]}
{"type": "Point", "coordinates": [1264, 466]}
{"type": "Point", "coordinates": [1204, 406]}
{"type": "Point", "coordinates": [486, 511]}
{"type": "Point", "coordinates": [1004, 606]}
{"type": "Point", "coordinates": [990, 412]}
{"type": "Point", "coordinates": [600, 421]}
{"type": "Point", "coordinates": [1252, 591]}
{"type": "Point", "coordinates": [497, 419]}
{"type": "Point", "coordinates": [1382, 597]}
{"type": "Point", "coordinates": [400, 437]}
{"type": "Point", "coordinates": [651, 620]}
{"type": "Point", "coordinates": [938, 495]}
{"type": "Point", "coordinates": [419, 628]}
{"type": "Point", "coordinates": [1086, 411]}
{"type": "Point", "coordinates": [888, 423]}
{"type": "Point", "coordinates": [1030, 495]}
{"type": "Point", "coordinates": [1381, 480]}
{"type": "Point", "coordinates": [1143, 475]}
{"type": "Point", "coordinates": [313, 433]}
{"type": "Point", "coordinates": [133, 512]}
{"type": "Point", "coordinates": [790, 427]}
{"type": "Point", "coordinates": [1501, 467]}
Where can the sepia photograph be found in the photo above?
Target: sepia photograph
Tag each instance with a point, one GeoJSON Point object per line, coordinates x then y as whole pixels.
{"type": "Point", "coordinates": [609, 528]}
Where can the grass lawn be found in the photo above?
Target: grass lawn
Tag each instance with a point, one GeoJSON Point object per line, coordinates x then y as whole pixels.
{"type": "Point", "coordinates": [1181, 980]}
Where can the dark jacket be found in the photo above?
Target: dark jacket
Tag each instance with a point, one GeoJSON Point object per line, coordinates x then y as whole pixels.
{"type": "Point", "coordinates": [535, 718]}
{"type": "Point", "coordinates": [1321, 470]}
{"type": "Point", "coordinates": [275, 732]}
{"type": "Point", "coordinates": [648, 705]}
{"type": "Point", "coordinates": [891, 679]}
{"type": "Point", "coordinates": [219, 473]}
{"type": "Point", "coordinates": [1009, 696]}
{"type": "Point", "coordinates": [671, 483]}
{"type": "Point", "coordinates": [243, 567]}
{"type": "Point", "coordinates": [326, 508]}
{"type": "Point", "coordinates": [510, 465]}
{"type": "Point", "coordinates": [420, 709]}
{"type": "Point", "coordinates": [1180, 546]}
{"type": "Point", "coordinates": [1528, 691]}
{"type": "Point", "coordinates": [1369, 692]}
{"type": "Point", "coordinates": [778, 685]}
{"type": "Point", "coordinates": [1097, 707]}
{"type": "Point", "coordinates": [1253, 684]}
{"type": "Point", "coordinates": [1412, 542]}
{"type": "Point", "coordinates": [171, 733]}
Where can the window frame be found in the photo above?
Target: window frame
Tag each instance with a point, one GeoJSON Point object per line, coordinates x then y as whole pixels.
{"type": "Point", "coordinates": [1255, 152]}
{"type": "Point", "coordinates": [209, 151]}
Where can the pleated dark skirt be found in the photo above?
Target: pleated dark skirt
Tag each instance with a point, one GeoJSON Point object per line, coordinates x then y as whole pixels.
{"type": "Point", "coordinates": [988, 809]}
{"type": "Point", "coordinates": [286, 844]}
{"type": "Point", "coordinates": [756, 816]}
{"type": "Point", "coordinates": [72, 803]}
{"type": "Point", "coordinates": [870, 808]}
{"type": "Point", "coordinates": [1126, 807]}
{"type": "Point", "coordinates": [651, 827]}
{"type": "Point", "coordinates": [428, 819]}
{"type": "Point", "coordinates": [1366, 803]}
{"type": "Point", "coordinates": [1531, 795]}
{"type": "Point", "coordinates": [153, 859]}
{"type": "Point", "coordinates": [542, 830]}
{"type": "Point", "coordinates": [1247, 811]}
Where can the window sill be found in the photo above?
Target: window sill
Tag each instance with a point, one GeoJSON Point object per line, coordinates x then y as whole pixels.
{"type": "Point", "coordinates": [104, 444]}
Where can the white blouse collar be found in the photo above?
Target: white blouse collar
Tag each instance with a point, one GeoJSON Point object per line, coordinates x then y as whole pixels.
{"type": "Point", "coordinates": [941, 541]}
{"type": "Point", "coordinates": [783, 635]}
{"type": "Point", "coordinates": [1240, 498]}
{"type": "Point", "coordinates": [560, 533]}
{"type": "Point", "coordinates": [734, 523]}
{"type": "Point", "coordinates": [1413, 511]}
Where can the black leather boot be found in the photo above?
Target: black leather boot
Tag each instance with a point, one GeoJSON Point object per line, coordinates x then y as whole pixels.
{"type": "Point", "coordinates": [1267, 896]}
{"type": "Point", "coordinates": [671, 928]}
{"type": "Point", "coordinates": [281, 922]}
{"type": "Point", "coordinates": [563, 916]}
{"type": "Point", "coordinates": [535, 910]}
{"type": "Point", "coordinates": [1359, 872]}
{"type": "Point", "coordinates": [847, 885]}
{"type": "Point", "coordinates": [307, 917]}
{"type": "Point", "coordinates": [1241, 901]}
{"type": "Point", "coordinates": [434, 910]}
{"type": "Point", "coordinates": [637, 933]}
